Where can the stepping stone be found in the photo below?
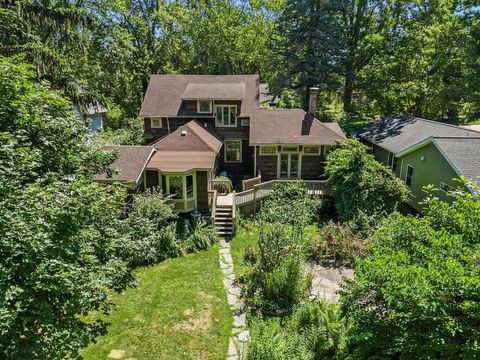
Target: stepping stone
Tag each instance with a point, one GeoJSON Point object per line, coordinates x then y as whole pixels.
{"type": "Point", "coordinates": [234, 290]}
{"type": "Point", "coordinates": [232, 349]}
{"type": "Point", "coordinates": [227, 258]}
{"type": "Point", "coordinates": [224, 265]}
{"type": "Point", "coordinates": [224, 251]}
{"type": "Point", "coordinates": [227, 271]}
{"type": "Point", "coordinates": [230, 277]}
{"type": "Point", "coordinates": [239, 320]}
{"type": "Point", "coordinates": [232, 299]}
{"type": "Point", "coordinates": [243, 336]}
{"type": "Point", "coordinates": [227, 283]}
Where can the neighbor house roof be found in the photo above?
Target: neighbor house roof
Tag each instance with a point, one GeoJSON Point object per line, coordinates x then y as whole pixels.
{"type": "Point", "coordinates": [130, 164]}
{"type": "Point", "coordinates": [165, 92]}
{"type": "Point", "coordinates": [214, 91]}
{"type": "Point", "coordinates": [399, 132]}
{"type": "Point", "coordinates": [291, 126]}
{"type": "Point", "coordinates": [462, 153]}
{"type": "Point", "coordinates": [189, 147]}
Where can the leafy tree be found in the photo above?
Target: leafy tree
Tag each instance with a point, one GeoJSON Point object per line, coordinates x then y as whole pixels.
{"type": "Point", "coordinates": [363, 188]}
{"type": "Point", "coordinates": [418, 294]}
{"type": "Point", "coordinates": [59, 234]}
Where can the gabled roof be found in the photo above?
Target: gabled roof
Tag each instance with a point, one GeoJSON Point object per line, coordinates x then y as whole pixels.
{"type": "Point", "coordinates": [399, 132]}
{"type": "Point", "coordinates": [291, 126]}
{"type": "Point", "coordinates": [462, 153]}
{"type": "Point", "coordinates": [130, 163]}
{"type": "Point", "coordinates": [164, 93]}
{"type": "Point", "coordinates": [189, 137]}
{"type": "Point", "coordinates": [214, 91]}
{"type": "Point", "coordinates": [189, 147]}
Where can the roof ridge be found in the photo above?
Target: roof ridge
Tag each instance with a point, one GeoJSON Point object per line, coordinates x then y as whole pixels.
{"type": "Point", "coordinates": [434, 122]}
{"type": "Point", "coordinates": [456, 137]}
{"type": "Point", "coordinates": [201, 128]}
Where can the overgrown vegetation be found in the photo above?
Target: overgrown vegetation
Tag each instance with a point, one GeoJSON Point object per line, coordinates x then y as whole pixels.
{"type": "Point", "coordinates": [66, 242]}
{"type": "Point", "coordinates": [418, 294]}
{"type": "Point", "coordinates": [364, 190]}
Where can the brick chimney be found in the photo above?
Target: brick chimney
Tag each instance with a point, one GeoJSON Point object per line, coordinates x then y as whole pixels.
{"type": "Point", "coordinates": [312, 105]}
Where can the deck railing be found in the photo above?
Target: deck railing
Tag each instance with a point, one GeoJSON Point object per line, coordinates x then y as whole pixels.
{"type": "Point", "coordinates": [262, 190]}
{"type": "Point", "coordinates": [250, 183]}
{"type": "Point", "coordinates": [223, 186]}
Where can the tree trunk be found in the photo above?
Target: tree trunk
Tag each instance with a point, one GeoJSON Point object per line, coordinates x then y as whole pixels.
{"type": "Point", "coordinates": [348, 87]}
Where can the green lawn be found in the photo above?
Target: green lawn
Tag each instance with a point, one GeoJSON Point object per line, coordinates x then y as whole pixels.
{"type": "Point", "coordinates": [178, 311]}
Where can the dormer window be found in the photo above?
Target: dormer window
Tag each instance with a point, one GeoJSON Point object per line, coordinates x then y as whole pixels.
{"type": "Point", "coordinates": [204, 106]}
{"type": "Point", "coordinates": [226, 115]}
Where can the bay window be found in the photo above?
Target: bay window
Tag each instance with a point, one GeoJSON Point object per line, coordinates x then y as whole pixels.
{"type": "Point", "coordinates": [182, 191]}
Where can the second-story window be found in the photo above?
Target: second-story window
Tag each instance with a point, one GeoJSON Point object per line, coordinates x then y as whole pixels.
{"type": "Point", "coordinates": [226, 115]}
{"type": "Point", "coordinates": [204, 106]}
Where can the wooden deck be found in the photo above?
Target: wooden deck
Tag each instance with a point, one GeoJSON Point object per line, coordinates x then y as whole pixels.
{"type": "Point", "coordinates": [263, 190]}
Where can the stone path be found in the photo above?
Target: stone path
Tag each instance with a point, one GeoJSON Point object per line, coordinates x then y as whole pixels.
{"type": "Point", "coordinates": [326, 281]}
{"type": "Point", "coordinates": [240, 334]}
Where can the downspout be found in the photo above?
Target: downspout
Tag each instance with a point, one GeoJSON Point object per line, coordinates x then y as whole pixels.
{"type": "Point", "coordinates": [255, 161]}
{"type": "Point", "coordinates": [168, 124]}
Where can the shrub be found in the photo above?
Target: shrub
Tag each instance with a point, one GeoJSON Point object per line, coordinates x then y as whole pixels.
{"type": "Point", "coordinates": [198, 236]}
{"type": "Point", "coordinates": [290, 203]}
{"type": "Point", "coordinates": [276, 282]}
{"type": "Point", "coordinates": [150, 235]}
{"type": "Point", "coordinates": [363, 188]}
{"type": "Point", "coordinates": [417, 296]}
{"type": "Point", "coordinates": [314, 331]}
{"type": "Point", "coordinates": [336, 242]}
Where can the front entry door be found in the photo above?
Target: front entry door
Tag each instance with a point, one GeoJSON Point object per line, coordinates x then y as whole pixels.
{"type": "Point", "coordinates": [289, 166]}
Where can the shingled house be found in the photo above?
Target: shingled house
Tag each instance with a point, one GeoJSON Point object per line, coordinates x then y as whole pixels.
{"type": "Point", "coordinates": [423, 152]}
{"type": "Point", "coordinates": [201, 126]}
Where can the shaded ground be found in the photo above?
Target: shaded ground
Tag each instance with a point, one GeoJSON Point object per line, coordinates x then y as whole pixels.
{"type": "Point", "coordinates": [178, 311]}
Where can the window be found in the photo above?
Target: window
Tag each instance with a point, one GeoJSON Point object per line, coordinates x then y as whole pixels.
{"type": "Point", "coordinates": [268, 150]}
{"type": "Point", "coordinates": [204, 106]}
{"type": "Point", "coordinates": [233, 150]}
{"type": "Point", "coordinates": [156, 122]}
{"type": "Point", "coordinates": [390, 159]}
{"type": "Point", "coordinates": [409, 178]}
{"type": "Point", "coordinates": [446, 188]}
{"type": "Point", "coordinates": [394, 164]}
{"type": "Point", "coordinates": [289, 148]}
{"type": "Point", "coordinates": [175, 188]}
{"type": "Point", "coordinates": [226, 115]}
{"type": "Point", "coordinates": [245, 122]}
{"type": "Point", "coordinates": [311, 150]}
{"type": "Point", "coordinates": [327, 149]}
{"type": "Point", "coordinates": [189, 184]}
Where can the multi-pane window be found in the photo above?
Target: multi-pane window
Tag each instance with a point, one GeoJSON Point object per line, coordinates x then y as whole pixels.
{"type": "Point", "coordinates": [226, 115]}
{"type": "Point", "coordinates": [409, 178]}
{"type": "Point", "coordinates": [233, 150]}
{"type": "Point", "coordinates": [311, 150]}
{"type": "Point", "coordinates": [156, 122]}
{"type": "Point", "coordinates": [289, 148]}
{"type": "Point", "coordinates": [176, 187]}
{"type": "Point", "coordinates": [204, 106]}
{"type": "Point", "coordinates": [268, 150]}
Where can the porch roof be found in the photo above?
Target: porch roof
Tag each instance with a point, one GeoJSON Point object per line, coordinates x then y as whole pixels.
{"type": "Point", "coordinates": [182, 161]}
{"type": "Point", "coordinates": [130, 163]}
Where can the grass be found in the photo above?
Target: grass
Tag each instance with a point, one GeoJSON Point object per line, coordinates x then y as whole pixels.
{"type": "Point", "coordinates": [178, 311]}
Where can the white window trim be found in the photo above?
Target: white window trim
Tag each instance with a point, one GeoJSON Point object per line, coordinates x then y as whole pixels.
{"type": "Point", "coordinates": [156, 127]}
{"type": "Point", "coordinates": [243, 123]}
{"type": "Point", "coordinates": [268, 154]}
{"type": "Point", "coordinates": [406, 176]}
{"type": "Point", "coordinates": [209, 108]}
{"type": "Point", "coordinates": [217, 124]}
{"type": "Point", "coordinates": [290, 151]}
{"type": "Point", "coordinates": [225, 151]}
{"type": "Point", "coordinates": [279, 156]}
{"type": "Point", "coordinates": [448, 185]}
{"type": "Point", "coordinates": [184, 198]}
{"type": "Point", "coordinates": [310, 154]}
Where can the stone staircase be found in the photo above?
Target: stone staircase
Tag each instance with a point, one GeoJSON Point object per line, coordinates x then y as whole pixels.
{"type": "Point", "coordinates": [223, 222]}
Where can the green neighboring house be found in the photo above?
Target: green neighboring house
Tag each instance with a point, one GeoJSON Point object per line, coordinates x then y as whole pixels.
{"type": "Point", "coordinates": [423, 152]}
